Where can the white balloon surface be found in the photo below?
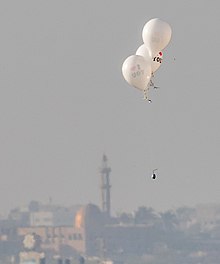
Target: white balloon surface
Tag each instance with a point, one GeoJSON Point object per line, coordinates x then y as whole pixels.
{"type": "Point", "coordinates": [156, 35]}
{"type": "Point", "coordinates": [137, 71]}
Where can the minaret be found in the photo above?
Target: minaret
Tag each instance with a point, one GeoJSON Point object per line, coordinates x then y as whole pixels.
{"type": "Point", "coordinates": [105, 186]}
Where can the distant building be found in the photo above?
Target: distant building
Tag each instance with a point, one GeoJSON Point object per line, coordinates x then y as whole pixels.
{"type": "Point", "coordinates": [9, 242]}
{"type": "Point", "coordinates": [37, 214]}
{"type": "Point", "coordinates": [78, 236]}
{"type": "Point", "coordinates": [41, 219]}
{"type": "Point", "coordinates": [31, 253]}
{"type": "Point", "coordinates": [90, 235]}
{"type": "Point", "coordinates": [105, 187]}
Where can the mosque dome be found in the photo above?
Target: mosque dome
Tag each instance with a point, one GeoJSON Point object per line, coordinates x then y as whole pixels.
{"type": "Point", "coordinates": [88, 214]}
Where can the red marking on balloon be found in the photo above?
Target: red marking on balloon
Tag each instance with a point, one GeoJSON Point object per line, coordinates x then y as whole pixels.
{"type": "Point", "coordinates": [133, 68]}
{"type": "Point", "coordinates": [160, 53]}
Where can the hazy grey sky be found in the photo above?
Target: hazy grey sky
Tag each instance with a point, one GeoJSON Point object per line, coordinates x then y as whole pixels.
{"type": "Point", "coordinates": [64, 102]}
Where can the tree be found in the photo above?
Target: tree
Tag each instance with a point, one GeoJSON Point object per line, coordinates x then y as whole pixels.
{"type": "Point", "coordinates": [169, 221]}
{"type": "Point", "coordinates": [146, 216]}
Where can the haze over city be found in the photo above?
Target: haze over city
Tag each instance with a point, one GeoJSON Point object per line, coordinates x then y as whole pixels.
{"type": "Point", "coordinates": [64, 103]}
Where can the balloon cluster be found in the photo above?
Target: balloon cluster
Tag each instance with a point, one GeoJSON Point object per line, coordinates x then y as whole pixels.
{"type": "Point", "coordinates": [138, 69]}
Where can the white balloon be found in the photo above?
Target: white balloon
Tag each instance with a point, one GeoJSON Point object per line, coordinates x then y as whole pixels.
{"type": "Point", "coordinates": [155, 61]}
{"type": "Point", "coordinates": [137, 71]}
{"type": "Point", "coordinates": [144, 51]}
{"type": "Point", "coordinates": [156, 35]}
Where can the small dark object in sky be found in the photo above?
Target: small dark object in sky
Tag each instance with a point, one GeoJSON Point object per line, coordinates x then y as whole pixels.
{"type": "Point", "coordinates": [154, 176]}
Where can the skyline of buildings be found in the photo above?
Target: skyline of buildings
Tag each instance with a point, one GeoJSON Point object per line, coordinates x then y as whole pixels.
{"type": "Point", "coordinates": [91, 230]}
